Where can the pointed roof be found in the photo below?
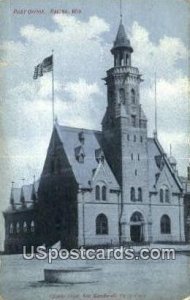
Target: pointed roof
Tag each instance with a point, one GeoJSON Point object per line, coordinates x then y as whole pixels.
{"type": "Point", "coordinates": [83, 172]}
{"type": "Point", "coordinates": [121, 39]}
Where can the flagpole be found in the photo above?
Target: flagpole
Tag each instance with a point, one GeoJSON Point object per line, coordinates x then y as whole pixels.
{"type": "Point", "coordinates": [53, 109]}
{"type": "Point", "coordinates": [155, 95]}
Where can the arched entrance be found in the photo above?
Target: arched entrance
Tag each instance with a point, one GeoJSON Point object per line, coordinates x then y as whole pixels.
{"type": "Point", "coordinates": [137, 227]}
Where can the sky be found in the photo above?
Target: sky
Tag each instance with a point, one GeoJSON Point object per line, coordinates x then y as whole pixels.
{"type": "Point", "coordinates": [159, 34]}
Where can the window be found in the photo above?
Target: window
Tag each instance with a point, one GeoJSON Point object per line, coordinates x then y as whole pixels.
{"type": "Point", "coordinates": [133, 194]}
{"type": "Point", "coordinates": [167, 196]}
{"type": "Point", "coordinates": [128, 137]}
{"type": "Point", "coordinates": [127, 59]}
{"type": "Point", "coordinates": [141, 139]}
{"type": "Point", "coordinates": [122, 96]}
{"type": "Point", "coordinates": [135, 172]}
{"type": "Point", "coordinates": [131, 156]}
{"type": "Point", "coordinates": [139, 194]}
{"type": "Point", "coordinates": [133, 100]}
{"type": "Point", "coordinates": [97, 192]}
{"type": "Point", "coordinates": [17, 227]}
{"type": "Point", "coordinates": [81, 158]}
{"type": "Point", "coordinates": [135, 138]}
{"type": "Point", "coordinates": [11, 229]}
{"type": "Point", "coordinates": [165, 225]}
{"type": "Point", "coordinates": [32, 226]}
{"type": "Point", "coordinates": [164, 194]}
{"type": "Point", "coordinates": [133, 121]}
{"type": "Point", "coordinates": [138, 156]}
{"type": "Point", "coordinates": [188, 173]}
{"type": "Point", "coordinates": [104, 193]}
{"type": "Point", "coordinates": [25, 228]}
{"type": "Point", "coordinates": [161, 195]}
{"type": "Point", "coordinates": [136, 217]}
{"type": "Point", "coordinates": [101, 224]}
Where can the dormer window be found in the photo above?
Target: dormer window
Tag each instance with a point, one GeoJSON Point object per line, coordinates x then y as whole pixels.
{"type": "Point", "coordinates": [99, 155]}
{"type": "Point", "coordinates": [79, 154]}
{"type": "Point", "coordinates": [81, 137]}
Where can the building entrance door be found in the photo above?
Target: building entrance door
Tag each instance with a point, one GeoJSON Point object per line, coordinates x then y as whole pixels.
{"type": "Point", "coordinates": [136, 233]}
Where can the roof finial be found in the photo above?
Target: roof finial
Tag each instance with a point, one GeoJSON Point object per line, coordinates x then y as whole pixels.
{"type": "Point", "coordinates": [121, 11]}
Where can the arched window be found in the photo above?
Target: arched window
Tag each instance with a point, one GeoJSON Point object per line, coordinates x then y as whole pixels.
{"type": "Point", "coordinates": [97, 192]}
{"type": "Point", "coordinates": [133, 194]}
{"type": "Point", "coordinates": [122, 96]}
{"type": "Point", "coordinates": [165, 225]}
{"type": "Point", "coordinates": [11, 229]}
{"type": "Point", "coordinates": [17, 227]}
{"type": "Point", "coordinates": [161, 195]}
{"type": "Point", "coordinates": [167, 196]}
{"type": "Point", "coordinates": [133, 120]}
{"type": "Point", "coordinates": [127, 59]}
{"type": "Point", "coordinates": [137, 217]}
{"type": "Point", "coordinates": [133, 98]}
{"type": "Point", "coordinates": [104, 193]}
{"type": "Point", "coordinates": [139, 194]}
{"type": "Point", "coordinates": [101, 224]}
{"type": "Point", "coordinates": [32, 226]}
{"type": "Point", "coordinates": [25, 227]}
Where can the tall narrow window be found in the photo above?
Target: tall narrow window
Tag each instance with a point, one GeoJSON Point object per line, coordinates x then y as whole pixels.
{"type": "Point", "coordinates": [139, 194]}
{"type": "Point", "coordinates": [11, 229]}
{"type": "Point", "coordinates": [32, 226]}
{"type": "Point", "coordinates": [122, 96]}
{"type": "Point", "coordinates": [133, 97]}
{"type": "Point", "coordinates": [161, 195]}
{"type": "Point", "coordinates": [133, 194]}
{"type": "Point", "coordinates": [131, 156]}
{"type": "Point", "coordinates": [165, 225]}
{"type": "Point", "coordinates": [17, 227]}
{"type": "Point", "coordinates": [25, 227]}
{"type": "Point", "coordinates": [104, 193]}
{"type": "Point", "coordinates": [167, 196]}
{"type": "Point", "coordinates": [133, 121]}
{"type": "Point", "coordinates": [101, 224]}
{"type": "Point", "coordinates": [97, 192]}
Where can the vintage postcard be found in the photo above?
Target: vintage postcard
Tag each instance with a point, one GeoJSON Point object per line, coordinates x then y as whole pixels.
{"type": "Point", "coordinates": [94, 150]}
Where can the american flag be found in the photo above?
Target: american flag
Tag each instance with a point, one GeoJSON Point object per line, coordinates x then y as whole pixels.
{"type": "Point", "coordinates": [44, 67]}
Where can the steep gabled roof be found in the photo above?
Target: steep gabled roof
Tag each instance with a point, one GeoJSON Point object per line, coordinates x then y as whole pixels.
{"type": "Point", "coordinates": [156, 153]}
{"type": "Point", "coordinates": [70, 138]}
{"type": "Point", "coordinates": [26, 192]}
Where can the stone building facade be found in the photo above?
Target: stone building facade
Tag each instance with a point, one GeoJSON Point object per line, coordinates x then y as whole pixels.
{"type": "Point", "coordinates": [102, 187]}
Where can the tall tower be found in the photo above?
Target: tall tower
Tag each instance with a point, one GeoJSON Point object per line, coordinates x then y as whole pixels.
{"type": "Point", "coordinates": [124, 127]}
